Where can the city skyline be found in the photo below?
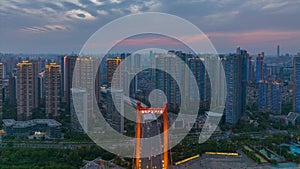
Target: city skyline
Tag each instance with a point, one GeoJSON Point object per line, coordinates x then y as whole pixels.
{"type": "Point", "coordinates": [65, 111]}
{"type": "Point", "coordinates": [64, 26]}
{"type": "Point", "coordinates": [149, 84]}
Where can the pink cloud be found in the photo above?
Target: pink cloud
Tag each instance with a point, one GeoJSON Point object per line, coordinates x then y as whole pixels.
{"type": "Point", "coordinates": [148, 41]}
{"type": "Point", "coordinates": [249, 37]}
{"type": "Point", "coordinates": [256, 36]}
{"type": "Point", "coordinates": [225, 38]}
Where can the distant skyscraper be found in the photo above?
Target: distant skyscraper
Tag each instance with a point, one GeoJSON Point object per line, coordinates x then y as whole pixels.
{"type": "Point", "coordinates": [27, 89]}
{"type": "Point", "coordinates": [235, 72]}
{"type": "Point", "coordinates": [112, 64]}
{"type": "Point", "coordinates": [278, 50]}
{"type": "Point", "coordinates": [269, 97]}
{"type": "Point", "coordinates": [259, 67]}
{"type": "Point", "coordinates": [1, 91]}
{"type": "Point", "coordinates": [53, 89]}
{"type": "Point", "coordinates": [296, 89]}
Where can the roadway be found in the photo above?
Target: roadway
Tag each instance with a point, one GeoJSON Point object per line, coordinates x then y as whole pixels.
{"type": "Point", "coordinates": [151, 147]}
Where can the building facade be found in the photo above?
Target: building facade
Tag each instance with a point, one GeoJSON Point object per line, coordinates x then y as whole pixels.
{"type": "Point", "coordinates": [203, 80]}
{"type": "Point", "coordinates": [235, 72]}
{"type": "Point", "coordinates": [115, 109]}
{"type": "Point", "coordinates": [165, 81]}
{"type": "Point", "coordinates": [296, 88]}
{"type": "Point", "coordinates": [67, 68]}
{"type": "Point", "coordinates": [52, 89]}
{"type": "Point", "coordinates": [79, 116]}
{"type": "Point", "coordinates": [12, 89]}
{"type": "Point", "coordinates": [86, 78]}
{"type": "Point", "coordinates": [259, 68]}
{"type": "Point", "coordinates": [50, 128]}
{"type": "Point", "coordinates": [112, 64]}
{"type": "Point", "coordinates": [1, 86]}
{"type": "Point", "coordinates": [27, 89]}
{"type": "Point", "coordinates": [269, 97]}
{"type": "Point", "coordinates": [250, 70]}
{"type": "Point", "coordinates": [41, 88]}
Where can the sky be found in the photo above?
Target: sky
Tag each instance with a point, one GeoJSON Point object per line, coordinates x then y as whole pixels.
{"type": "Point", "coordinates": [63, 26]}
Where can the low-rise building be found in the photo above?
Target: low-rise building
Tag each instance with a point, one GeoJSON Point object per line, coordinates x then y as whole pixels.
{"type": "Point", "coordinates": [50, 128]}
{"type": "Point", "coordinates": [291, 118]}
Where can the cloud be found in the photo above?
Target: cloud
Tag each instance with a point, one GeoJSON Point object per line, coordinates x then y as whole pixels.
{"type": "Point", "coordinates": [56, 27]}
{"type": "Point", "coordinates": [115, 1]}
{"type": "Point", "coordinates": [148, 41]}
{"type": "Point", "coordinates": [41, 12]}
{"type": "Point", "coordinates": [274, 5]}
{"type": "Point", "coordinates": [257, 36]}
{"type": "Point", "coordinates": [117, 10]}
{"type": "Point", "coordinates": [241, 38]}
{"type": "Point", "coordinates": [45, 28]}
{"type": "Point", "coordinates": [97, 2]}
{"type": "Point", "coordinates": [152, 5]}
{"type": "Point", "coordinates": [239, 19]}
{"type": "Point", "coordinates": [146, 6]}
{"type": "Point", "coordinates": [221, 17]}
{"type": "Point", "coordinates": [135, 8]}
{"type": "Point", "coordinates": [77, 3]}
{"type": "Point", "coordinates": [270, 6]}
{"type": "Point", "coordinates": [79, 14]}
{"type": "Point", "coordinates": [102, 12]}
{"type": "Point", "coordinates": [246, 37]}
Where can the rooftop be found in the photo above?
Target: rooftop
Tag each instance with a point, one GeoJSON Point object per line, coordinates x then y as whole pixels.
{"type": "Point", "coordinates": [292, 116]}
{"type": "Point", "coordinates": [29, 123]}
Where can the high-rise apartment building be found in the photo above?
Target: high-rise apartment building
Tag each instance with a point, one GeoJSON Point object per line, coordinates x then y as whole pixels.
{"type": "Point", "coordinates": [1, 91]}
{"type": "Point", "coordinates": [296, 89]}
{"type": "Point", "coordinates": [165, 81]}
{"type": "Point", "coordinates": [52, 88]}
{"type": "Point", "coordinates": [197, 67]}
{"type": "Point", "coordinates": [85, 78]}
{"type": "Point", "coordinates": [12, 89]}
{"type": "Point", "coordinates": [137, 61]}
{"type": "Point", "coordinates": [67, 67]}
{"type": "Point", "coordinates": [79, 116]}
{"type": "Point", "coordinates": [112, 64]}
{"type": "Point", "coordinates": [235, 72]}
{"type": "Point", "coordinates": [250, 70]}
{"type": "Point", "coordinates": [259, 67]}
{"type": "Point", "coordinates": [27, 89]}
{"type": "Point", "coordinates": [269, 97]}
{"type": "Point", "coordinates": [41, 88]}
{"type": "Point", "coordinates": [115, 109]}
